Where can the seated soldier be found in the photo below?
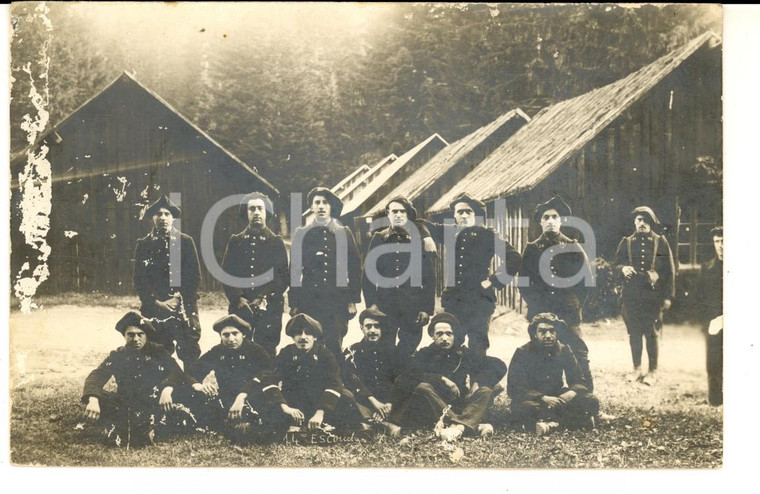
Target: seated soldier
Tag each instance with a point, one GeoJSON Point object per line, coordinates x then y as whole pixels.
{"type": "Point", "coordinates": [143, 371]}
{"type": "Point", "coordinates": [535, 384]}
{"type": "Point", "coordinates": [243, 371]}
{"type": "Point", "coordinates": [372, 365]}
{"type": "Point", "coordinates": [436, 383]}
{"type": "Point", "coordinates": [312, 390]}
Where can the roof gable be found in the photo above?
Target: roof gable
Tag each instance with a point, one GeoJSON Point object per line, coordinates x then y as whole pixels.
{"type": "Point", "coordinates": [558, 131]}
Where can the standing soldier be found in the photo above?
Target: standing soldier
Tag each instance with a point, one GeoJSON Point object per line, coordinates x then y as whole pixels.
{"type": "Point", "coordinates": [169, 293]}
{"type": "Point", "coordinates": [324, 250]}
{"type": "Point", "coordinates": [646, 263]}
{"type": "Point", "coordinates": [543, 295]}
{"type": "Point", "coordinates": [407, 305]}
{"type": "Point", "coordinates": [472, 298]}
{"type": "Point", "coordinates": [709, 308]}
{"type": "Point", "coordinates": [257, 251]}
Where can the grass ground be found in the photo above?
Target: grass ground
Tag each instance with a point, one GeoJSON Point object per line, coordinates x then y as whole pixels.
{"type": "Point", "coordinates": [669, 425]}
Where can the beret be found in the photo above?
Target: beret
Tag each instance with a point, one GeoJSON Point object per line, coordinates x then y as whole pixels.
{"type": "Point", "coordinates": [163, 202]}
{"type": "Point", "coordinates": [374, 313]}
{"type": "Point", "coordinates": [646, 211]}
{"type": "Point", "coordinates": [235, 322]}
{"type": "Point", "coordinates": [336, 205]}
{"type": "Point", "coordinates": [243, 208]}
{"type": "Point", "coordinates": [443, 317]}
{"type": "Point", "coordinates": [556, 203]}
{"type": "Point", "coordinates": [135, 319]}
{"type": "Point", "coordinates": [548, 318]}
{"type": "Point", "coordinates": [301, 322]}
{"type": "Point", "coordinates": [477, 206]}
{"type": "Point", "coordinates": [411, 213]}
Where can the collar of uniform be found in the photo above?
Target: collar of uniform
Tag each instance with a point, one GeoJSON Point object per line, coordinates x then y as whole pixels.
{"type": "Point", "coordinates": [394, 232]}
{"type": "Point", "coordinates": [545, 240]}
{"type": "Point", "coordinates": [538, 347]}
{"type": "Point", "coordinates": [331, 226]}
{"type": "Point", "coordinates": [264, 231]}
{"type": "Point", "coordinates": [156, 234]}
{"type": "Point", "coordinates": [469, 229]}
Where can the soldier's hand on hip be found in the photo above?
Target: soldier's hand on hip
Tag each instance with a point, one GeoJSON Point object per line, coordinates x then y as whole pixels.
{"type": "Point", "coordinates": [486, 284]}
{"type": "Point", "coordinates": [164, 306]}
{"type": "Point", "coordinates": [173, 303]}
{"type": "Point", "coordinates": [666, 304]}
{"type": "Point", "coordinates": [422, 318]}
{"type": "Point", "coordinates": [351, 310]}
{"type": "Point", "coordinates": [451, 385]}
{"type": "Point", "coordinates": [628, 271]}
{"type": "Point", "coordinates": [92, 411]}
{"type": "Point", "coordinates": [241, 303]}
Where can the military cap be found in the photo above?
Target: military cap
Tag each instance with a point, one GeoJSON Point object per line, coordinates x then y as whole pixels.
{"type": "Point", "coordinates": [336, 205]}
{"type": "Point", "coordinates": [411, 213]}
{"type": "Point", "coordinates": [548, 318]}
{"type": "Point", "coordinates": [717, 231]}
{"type": "Point", "coordinates": [374, 313]}
{"type": "Point", "coordinates": [163, 202]}
{"type": "Point", "coordinates": [646, 211]}
{"type": "Point", "coordinates": [232, 321]}
{"type": "Point", "coordinates": [477, 206]}
{"type": "Point", "coordinates": [443, 317]}
{"type": "Point", "coordinates": [135, 319]}
{"type": "Point", "coordinates": [555, 203]}
{"type": "Point", "coordinates": [301, 322]}
{"type": "Point", "coordinates": [243, 208]}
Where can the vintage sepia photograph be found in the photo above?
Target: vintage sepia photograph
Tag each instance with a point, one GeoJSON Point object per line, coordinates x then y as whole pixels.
{"type": "Point", "coordinates": [366, 235]}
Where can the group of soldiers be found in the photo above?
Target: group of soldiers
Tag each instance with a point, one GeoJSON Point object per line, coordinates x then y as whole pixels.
{"type": "Point", "coordinates": [243, 385]}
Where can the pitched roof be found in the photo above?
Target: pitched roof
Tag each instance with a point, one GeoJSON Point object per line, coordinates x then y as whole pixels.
{"type": "Point", "coordinates": [342, 184]}
{"type": "Point", "coordinates": [446, 158]}
{"type": "Point", "coordinates": [557, 132]}
{"type": "Point", "coordinates": [388, 170]}
{"type": "Point", "coordinates": [128, 79]}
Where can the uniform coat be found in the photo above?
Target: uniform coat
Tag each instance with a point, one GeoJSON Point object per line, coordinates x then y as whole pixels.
{"type": "Point", "coordinates": [310, 381]}
{"type": "Point", "coordinates": [642, 301]}
{"type": "Point", "coordinates": [427, 396]}
{"type": "Point", "coordinates": [254, 252]}
{"type": "Point", "coordinates": [140, 378]}
{"type": "Point", "coordinates": [404, 302]}
{"type": "Point", "coordinates": [320, 295]}
{"type": "Point", "coordinates": [370, 369]}
{"type": "Point", "coordinates": [542, 295]}
{"type": "Point", "coordinates": [535, 372]}
{"type": "Point", "coordinates": [708, 298]}
{"type": "Point", "coordinates": [152, 283]}
{"type": "Point", "coordinates": [467, 300]}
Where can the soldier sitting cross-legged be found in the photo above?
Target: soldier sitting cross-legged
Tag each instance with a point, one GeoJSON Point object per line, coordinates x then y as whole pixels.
{"type": "Point", "coordinates": [236, 402]}
{"type": "Point", "coordinates": [313, 395]}
{"type": "Point", "coordinates": [142, 407]}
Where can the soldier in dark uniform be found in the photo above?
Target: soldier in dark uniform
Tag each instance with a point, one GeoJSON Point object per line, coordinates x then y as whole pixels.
{"type": "Point", "coordinates": [447, 385]}
{"type": "Point", "coordinates": [243, 384]}
{"type": "Point", "coordinates": [312, 391]}
{"type": "Point", "coordinates": [646, 263]}
{"type": "Point", "coordinates": [543, 295]}
{"type": "Point", "coordinates": [320, 295]}
{"type": "Point", "coordinates": [407, 306]}
{"type": "Point", "coordinates": [708, 305]}
{"type": "Point", "coordinates": [169, 294]}
{"type": "Point", "coordinates": [145, 374]}
{"type": "Point", "coordinates": [472, 298]}
{"type": "Point", "coordinates": [535, 383]}
{"type": "Point", "coordinates": [253, 252]}
{"type": "Point", "coordinates": [371, 367]}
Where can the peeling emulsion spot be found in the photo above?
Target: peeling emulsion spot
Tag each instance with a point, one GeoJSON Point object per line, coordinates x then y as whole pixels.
{"type": "Point", "coordinates": [35, 185]}
{"type": "Point", "coordinates": [70, 234]}
{"type": "Point", "coordinates": [85, 197]}
{"type": "Point", "coordinates": [121, 193]}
